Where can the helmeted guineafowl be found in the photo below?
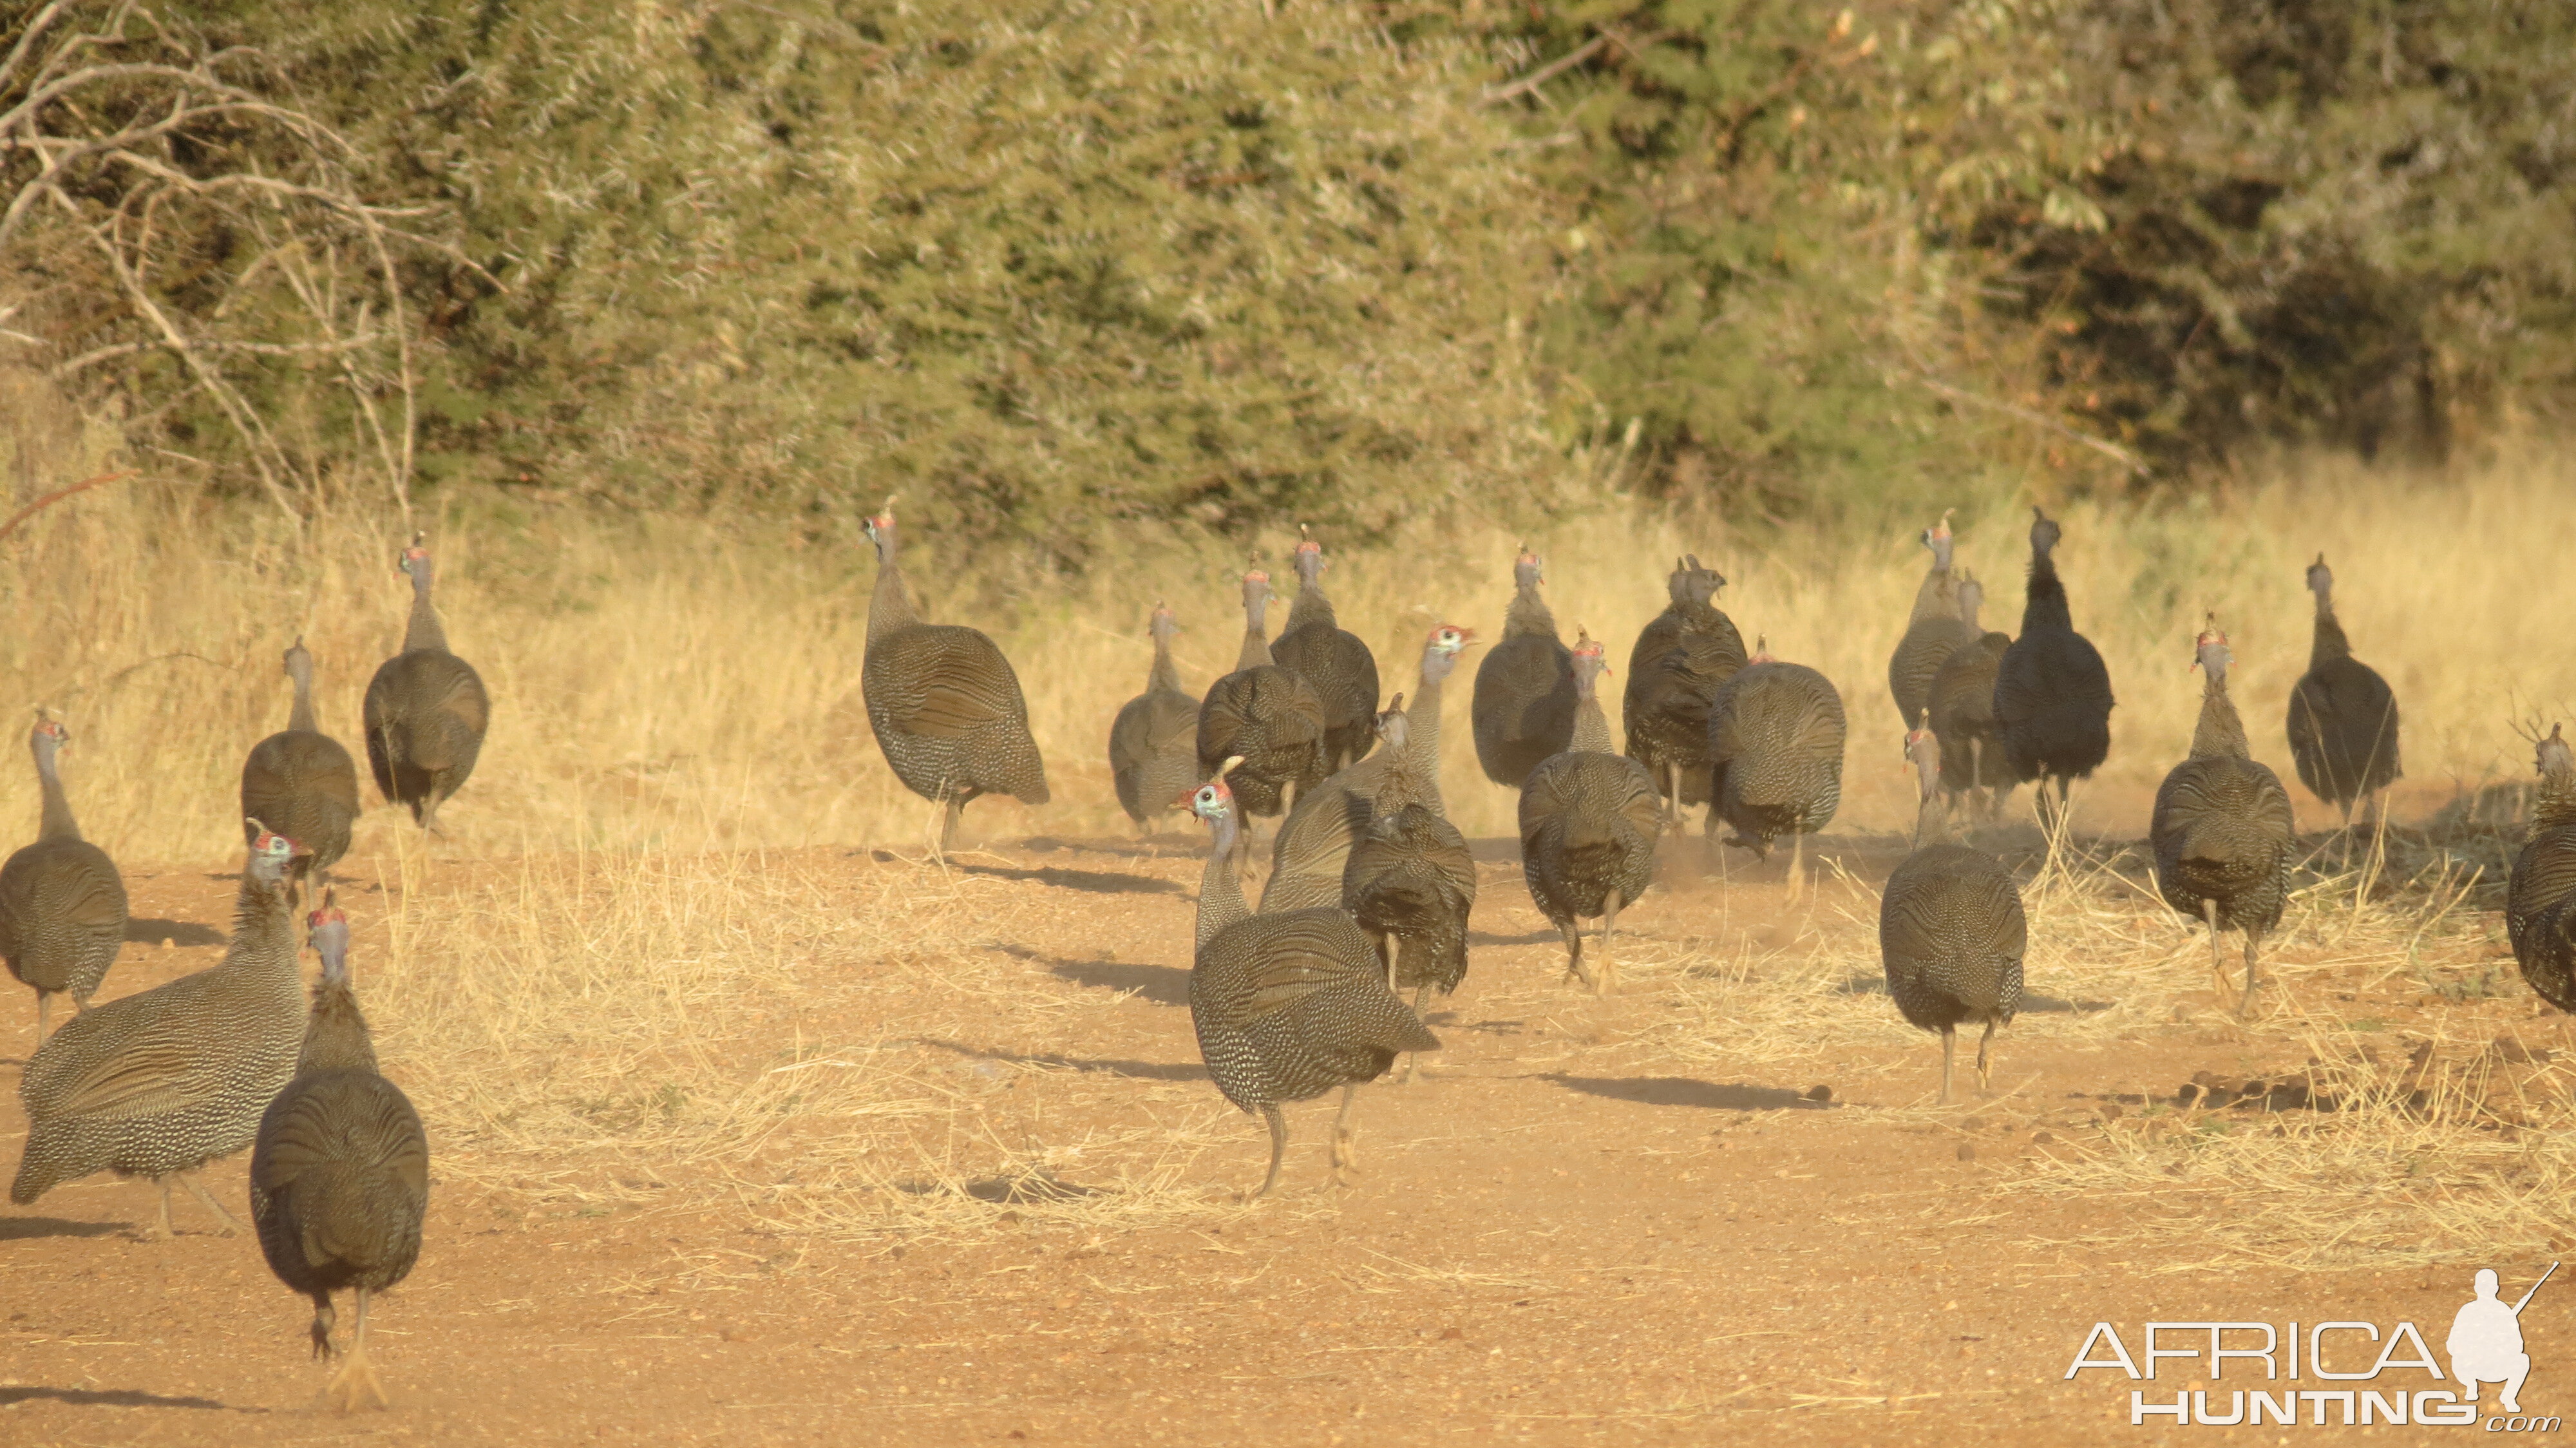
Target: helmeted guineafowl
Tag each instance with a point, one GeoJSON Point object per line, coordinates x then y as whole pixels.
{"type": "Point", "coordinates": [1263, 715]}
{"type": "Point", "coordinates": [1588, 819]}
{"type": "Point", "coordinates": [1523, 709]}
{"type": "Point", "coordinates": [159, 1083]}
{"type": "Point", "coordinates": [1332, 661]}
{"type": "Point", "coordinates": [2343, 718]}
{"type": "Point", "coordinates": [2540, 899]}
{"type": "Point", "coordinates": [2221, 831]}
{"type": "Point", "coordinates": [1963, 710]}
{"type": "Point", "coordinates": [1932, 631]}
{"type": "Point", "coordinates": [425, 710]}
{"type": "Point", "coordinates": [1775, 751]}
{"type": "Point", "coordinates": [1683, 656]}
{"type": "Point", "coordinates": [301, 781]}
{"type": "Point", "coordinates": [62, 903]}
{"type": "Point", "coordinates": [1411, 882]}
{"type": "Point", "coordinates": [1314, 844]}
{"type": "Point", "coordinates": [339, 1174]}
{"type": "Point", "coordinates": [1291, 1005]}
{"type": "Point", "coordinates": [1950, 926]}
{"type": "Point", "coordinates": [2052, 695]}
{"type": "Point", "coordinates": [1153, 745]}
{"type": "Point", "coordinates": [943, 702]}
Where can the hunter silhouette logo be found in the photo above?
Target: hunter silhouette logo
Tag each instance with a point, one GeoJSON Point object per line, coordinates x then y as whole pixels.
{"type": "Point", "coordinates": [2486, 1342]}
{"type": "Point", "coordinates": [2362, 1374]}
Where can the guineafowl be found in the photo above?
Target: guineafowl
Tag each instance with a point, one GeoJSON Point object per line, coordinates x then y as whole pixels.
{"type": "Point", "coordinates": [1314, 845]}
{"type": "Point", "coordinates": [62, 904]}
{"type": "Point", "coordinates": [425, 710]}
{"type": "Point", "coordinates": [2540, 899]}
{"type": "Point", "coordinates": [1264, 716]}
{"type": "Point", "coordinates": [1588, 818]}
{"type": "Point", "coordinates": [1682, 658]}
{"type": "Point", "coordinates": [2343, 719]}
{"type": "Point", "coordinates": [1287, 1006]}
{"type": "Point", "coordinates": [1523, 710]}
{"type": "Point", "coordinates": [1411, 883]}
{"type": "Point", "coordinates": [1963, 710]}
{"type": "Point", "coordinates": [301, 781]}
{"type": "Point", "coordinates": [1153, 746]}
{"type": "Point", "coordinates": [1332, 661]}
{"type": "Point", "coordinates": [943, 702]}
{"type": "Point", "coordinates": [2221, 831]}
{"type": "Point", "coordinates": [160, 1083]}
{"type": "Point", "coordinates": [1932, 631]}
{"type": "Point", "coordinates": [1775, 751]}
{"type": "Point", "coordinates": [339, 1174]}
{"type": "Point", "coordinates": [2052, 695]}
{"type": "Point", "coordinates": [1950, 926]}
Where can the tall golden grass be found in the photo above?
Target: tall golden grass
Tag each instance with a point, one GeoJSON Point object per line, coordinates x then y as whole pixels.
{"type": "Point", "coordinates": [666, 683]}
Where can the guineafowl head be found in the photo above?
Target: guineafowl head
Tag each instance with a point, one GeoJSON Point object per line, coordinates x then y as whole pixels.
{"type": "Point", "coordinates": [1163, 624]}
{"type": "Point", "coordinates": [1212, 801]}
{"type": "Point", "coordinates": [2044, 533]}
{"type": "Point", "coordinates": [2209, 653]}
{"type": "Point", "coordinates": [1761, 651]}
{"type": "Point", "coordinates": [50, 737]}
{"type": "Point", "coordinates": [1390, 726]}
{"type": "Point", "coordinates": [1527, 571]}
{"type": "Point", "coordinates": [1448, 641]}
{"type": "Point", "coordinates": [1309, 558]}
{"type": "Point", "coordinates": [1699, 582]}
{"type": "Point", "coordinates": [415, 560]}
{"type": "Point", "coordinates": [2321, 582]}
{"type": "Point", "coordinates": [299, 663]}
{"type": "Point", "coordinates": [1937, 538]}
{"type": "Point", "coordinates": [2557, 762]}
{"type": "Point", "coordinates": [271, 856]}
{"type": "Point", "coordinates": [1590, 662]}
{"type": "Point", "coordinates": [880, 531]}
{"type": "Point", "coordinates": [328, 931]}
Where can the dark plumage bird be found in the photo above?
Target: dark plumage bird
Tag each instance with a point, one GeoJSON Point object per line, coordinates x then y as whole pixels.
{"type": "Point", "coordinates": [1683, 656]}
{"type": "Point", "coordinates": [425, 710]}
{"type": "Point", "coordinates": [339, 1175]}
{"type": "Point", "coordinates": [1523, 710]}
{"type": "Point", "coordinates": [1287, 1006]}
{"type": "Point", "coordinates": [2540, 899]}
{"type": "Point", "coordinates": [2052, 695]}
{"type": "Point", "coordinates": [1932, 632]}
{"type": "Point", "coordinates": [301, 781]}
{"type": "Point", "coordinates": [160, 1083]}
{"type": "Point", "coordinates": [62, 904]}
{"type": "Point", "coordinates": [1588, 820]}
{"type": "Point", "coordinates": [1963, 710]}
{"type": "Point", "coordinates": [1267, 719]}
{"type": "Point", "coordinates": [1332, 661]}
{"type": "Point", "coordinates": [2343, 719]}
{"type": "Point", "coordinates": [1313, 847]}
{"type": "Point", "coordinates": [1153, 746]}
{"type": "Point", "coordinates": [1775, 749]}
{"type": "Point", "coordinates": [1411, 883]}
{"type": "Point", "coordinates": [943, 702]}
{"type": "Point", "coordinates": [2221, 830]}
{"type": "Point", "coordinates": [1950, 927]}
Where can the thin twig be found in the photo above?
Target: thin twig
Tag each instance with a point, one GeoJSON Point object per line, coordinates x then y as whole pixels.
{"type": "Point", "coordinates": [2111, 450]}
{"type": "Point", "coordinates": [56, 496]}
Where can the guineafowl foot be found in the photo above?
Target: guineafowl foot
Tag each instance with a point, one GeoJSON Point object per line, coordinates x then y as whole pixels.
{"type": "Point", "coordinates": [1985, 1076]}
{"type": "Point", "coordinates": [1949, 1056]}
{"type": "Point", "coordinates": [323, 1318]}
{"type": "Point", "coordinates": [355, 1388]}
{"type": "Point", "coordinates": [188, 1179]}
{"type": "Point", "coordinates": [1278, 1120]}
{"type": "Point", "coordinates": [1345, 1150]}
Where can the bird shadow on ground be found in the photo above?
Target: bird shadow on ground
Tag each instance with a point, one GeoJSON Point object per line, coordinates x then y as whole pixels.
{"type": "Point", "coordinates": [1497, 851]}
{"type": "Point", "coordinates": [111, 1398]}
{"type": "Point", "coordinates": [1535, 937]}
{"type": "Point", "coordinates": [23, 1229]}
{"type": "Point", "coordinates": [1005, 1191]}
{"type": "Point", "coordinates": [148, 931]}
{"type": "Point", "coordinates": [1094, 882]}
{"type": "Point", "coordinates": [1142, 1070]}
{"type": "Point", "coordinates": [1163, 845]}
{"type": "Point", "coordinates": [1688, 1091]}
{"type": "Point", "coordinates": [2038, 1005]}
{"type": "Point", "coordinates": [1164, 985]}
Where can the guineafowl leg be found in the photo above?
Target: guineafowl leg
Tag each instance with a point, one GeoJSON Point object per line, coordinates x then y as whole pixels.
{"type": "Point", "coordinates": [948, 824]}
{"type": "Point", "coordinates": [354, 1386]}
{"type": "Point", "coordinates": [1979, 796]}
{"type": "Point", "coordinates": [1605, 978]}
{"type": "Point", "coordinates": [1949, 1055]}
{"type": "Point", "coordinates": [323, 1318]}
{"type": "Point", "coordinates": [161, 1231]}
{"type": "Point", "coordinates": [1797, 864]}
{"type": "Point", "coordinates": [1346, 1159]}
{"type": "Point", "coordinates": [1412, 1059]}
{"type": "Point", "coordinates": [1574, 968]}
{"type": "Point", "coordinates": [2217, 956]}
{"type": "Point", "coordinates": [2253, 943]}
{"type": "Point", "coordinates": [44, 1014]}
{"type": "Point", "coordinates": [1985, 1043]}
{"type": "Point", "coordinates": [1278, 1120]}
{"type": "Point", "coordinates": [189, 1180]}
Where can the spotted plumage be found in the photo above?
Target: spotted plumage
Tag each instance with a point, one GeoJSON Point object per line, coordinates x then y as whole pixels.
{"type": "Point", "coordinates": [2052, 695]}
{"type": "Point", "coordinates": [1951, 931]}
{"type": "Point", "coordinates": [2222, 831]}
{"type": "Point", "coordinates": [1683, 656]}
{"type": "Point", "coordinates": [2540, 898]}
{"type": "Point", "coordinates": [1331, 660]}
{"type": "Point", "coordinates": [1775, 749]}
{"type": "Point", "coordinates": [1523, 708]}
{"type": "Point", "coordinates": [300, 781]}
{"type": "Point", "coordinates": [1962, 707]}
{"type": "Point", "coordinates": [2343, 717]}
{"type": "Point", "coordinates": [1153, 744]}
{"type": "Point", "coordinates": [425, 711]}
{"type": "Point", "coordinates": [62, 903]}
{"type": "Point", "coordinates": [1933, 630]}
{"type": "Point", "coordinates": [1588, 822]}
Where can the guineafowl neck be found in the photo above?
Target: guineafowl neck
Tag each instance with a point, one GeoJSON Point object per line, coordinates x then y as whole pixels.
{"type": "Point", "coordinates": [336, 1036]}
{"type": "Point", "coordinates": [1591, 727]}
{"type": "Point", "coordinates": [2044, 607]}
{"type": "Point", "coordinates": [301, 716]}
{"type": "Point", "coordinates": [1166, 674]}
{"type": "Point", "coordinates": [1937, 597]}
{"type": "Point", "coordinates": [1528, 616]}
{"type": "Point", "coordinates": [263, 929]}
{"type": "Point", "coordinates": [58, 822]}
{"type": "Point", "coordinates": [1931, 822]}
{"type": "Point", "coordinates": [1256, 643]}
{"type": "Point", "coordinates": [1310, 607]}
{"type": "Point", "coordinates": [424, 632]}
{"type": "Point", "coordinates": [2329, 643]}
{"type": "Point", "coordinates": [1422, 736]}
{"type": "Point", "coordinates": [2220, 734]}
{"type": "Point", "coordinates": [889, 607]}
{"type": "Point", "coordinates": [1220, 895]}
{"type": "Point", "coordinates": [2555, 805]}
